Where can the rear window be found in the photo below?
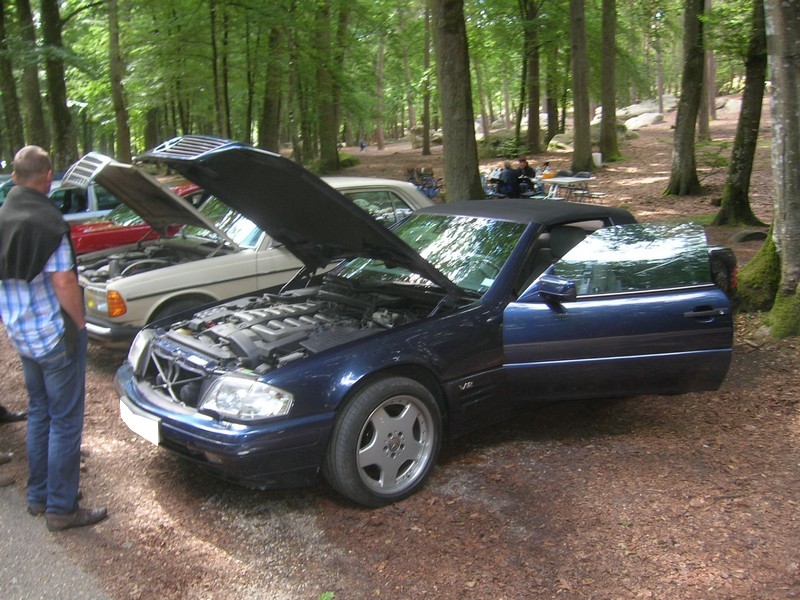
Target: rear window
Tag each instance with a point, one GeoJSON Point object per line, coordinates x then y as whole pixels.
{"type": "Point", "coordinates": [633, 258]}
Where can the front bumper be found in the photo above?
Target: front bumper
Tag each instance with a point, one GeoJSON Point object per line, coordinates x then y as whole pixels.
{"type": "Point", "coordinates": [281, 454]}
{"type": "Point", "coordinates": [110, 335]}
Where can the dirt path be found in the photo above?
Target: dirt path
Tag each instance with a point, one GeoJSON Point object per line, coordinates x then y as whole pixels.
{"type": "Point", "coordinates": [689, 497]}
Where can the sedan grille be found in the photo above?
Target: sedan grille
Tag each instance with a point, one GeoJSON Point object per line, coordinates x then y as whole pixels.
{"type": "Point", "coordinates": [187, 147]}
{"type": "Point", "coordinates": [175, 376]}
{"type": "Point", "coordinates": [82, 172]}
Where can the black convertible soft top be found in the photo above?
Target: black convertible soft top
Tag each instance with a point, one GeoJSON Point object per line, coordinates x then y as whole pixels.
{"type": "Point", "coordinates": [530, 210]}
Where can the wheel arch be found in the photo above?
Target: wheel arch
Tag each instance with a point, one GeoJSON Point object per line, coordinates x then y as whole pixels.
{"type": "Point", "coordinates": [418, 373]}
{"type": "Point", "coordinates": [159, 310]}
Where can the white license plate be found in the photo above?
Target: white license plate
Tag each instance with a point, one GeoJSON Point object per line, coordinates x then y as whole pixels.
{"type": "Point", "coordinates": [145, 426]}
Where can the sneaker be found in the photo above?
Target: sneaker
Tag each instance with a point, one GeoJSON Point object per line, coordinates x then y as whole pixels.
{"type": "Point", "coordinates": [6, 479]}
{"type": "Point", "coordinates": [80, 518]}
{"type": "Point", "coordinates": [5, 457]}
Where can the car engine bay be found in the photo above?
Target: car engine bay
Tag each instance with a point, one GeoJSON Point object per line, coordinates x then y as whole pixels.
{"type": "Point", "coordinates": [143, 258]}
{"type": "Point", "coordinates": [263, 333]}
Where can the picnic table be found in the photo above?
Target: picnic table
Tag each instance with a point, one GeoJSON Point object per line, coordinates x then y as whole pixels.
{"type": "Point", "coordinates": [568, 188]}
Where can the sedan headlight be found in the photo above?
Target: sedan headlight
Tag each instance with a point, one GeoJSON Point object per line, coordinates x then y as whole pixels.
{"type": "Point", "coordinates": [245, 399]}
{"type": "Point", "coordinates": [106, 303]}
{"type": "Point", "coordinates": [139, 351]}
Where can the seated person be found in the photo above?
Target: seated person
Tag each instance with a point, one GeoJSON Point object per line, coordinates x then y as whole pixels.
{"type": "Point", "coordinates": [525, 170]}
{"type": "Point", "coordinates": [508, 181]}
{"type": "Point", "coordinates": [526, 175]}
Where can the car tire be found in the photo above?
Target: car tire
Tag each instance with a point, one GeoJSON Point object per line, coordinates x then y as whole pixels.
{"type": "Point", "coordinates": [384, 443]}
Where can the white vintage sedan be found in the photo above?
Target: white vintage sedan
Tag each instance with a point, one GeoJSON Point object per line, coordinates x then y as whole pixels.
{"type": "Point", "coordinates": [219, 253]}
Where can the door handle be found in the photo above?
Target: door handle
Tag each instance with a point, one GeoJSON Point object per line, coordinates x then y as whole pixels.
{"type": "Point", "coordinates": [705, 313]}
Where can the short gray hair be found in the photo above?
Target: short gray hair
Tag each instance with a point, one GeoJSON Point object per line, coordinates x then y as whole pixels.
{"type": "Point", "coordinates": [31, 162]}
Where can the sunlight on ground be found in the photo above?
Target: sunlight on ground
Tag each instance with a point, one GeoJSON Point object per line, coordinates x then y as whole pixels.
{"type": "Point", "coordinates": [643, 180]}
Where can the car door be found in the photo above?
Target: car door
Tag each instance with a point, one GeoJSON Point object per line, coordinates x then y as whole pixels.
{"type": "Point", "coordinates": [644, 318]}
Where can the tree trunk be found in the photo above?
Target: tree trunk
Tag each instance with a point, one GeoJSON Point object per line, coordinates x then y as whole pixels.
{"type": "Point", "coordinates": [33, 113]}
{"type": "Point", "coordinates": [708, 109]}
{"type": "Point", "coordinates": [408, 81]}
{"type": "Point", "coordinates": [8, 89]}
{"type": "Point", "coordinates": [506, 103]}
{"type": "Point", "coordinates": [342, 35]}
{"type": "Point", "coordinates": [683, 178]}
{"type": "Point", "coordinates": [65, 148]}
{"type": "Point", "coordinates": [426, 94]}
{"type": "Point", "coordinates": [482, 100]}
{"type": "Point", "coordinates": [735, 206]}
{"type": "Point", "coordinates": [461, 172]}
{"type": "Point", "coordinates": [660, 77]}
{"type": "Point", "coordinates": [116, 70]}
{"type": "Point", "coordinates": [552, 92]}
{"type": "Point", "coordinates": [758, 279]}
{"type": "Point", "coordinates": [379, 140]}
{"type": "Point", "coordinates": [783, 39]}
{"type": "Point", "coordinates": [270, 124]}
{"type": "Point", "coordinates": [326, 109]}
{"type": "Point", "coordinates": [531, 43]}
{"type": "Point", "coordinates": [152, 131]}
{"type": "Point", "coordinates": [609, 146]}
{"type": "Point", "coordinates": [523, 93]}
{"type": "Point", "coordinates": [582, 148]}
{"type": "Point", "coordinates": [212, 16]}
{"type": "Point", "coordinates": [225, 92]}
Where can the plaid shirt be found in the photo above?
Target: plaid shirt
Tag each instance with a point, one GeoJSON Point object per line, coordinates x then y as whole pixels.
{"type": "Point", "coordinates": [30, 311]}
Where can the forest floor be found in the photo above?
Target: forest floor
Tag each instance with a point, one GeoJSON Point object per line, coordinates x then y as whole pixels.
{"type": "Point", "coordinates": [689, 497]}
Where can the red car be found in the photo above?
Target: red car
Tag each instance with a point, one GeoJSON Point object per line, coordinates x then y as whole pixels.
{"type": "Point", "coordinates": [124, 226]}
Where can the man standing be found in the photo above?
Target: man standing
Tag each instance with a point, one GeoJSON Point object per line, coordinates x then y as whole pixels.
{"type": "Point", "coordinates": [42, 308]}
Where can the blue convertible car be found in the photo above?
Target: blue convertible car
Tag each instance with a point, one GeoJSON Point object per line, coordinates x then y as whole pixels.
{"type": "Point", "coordinates": [455, 319]}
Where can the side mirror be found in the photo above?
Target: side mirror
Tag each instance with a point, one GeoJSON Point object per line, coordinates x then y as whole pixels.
{"type": "Point", "coordinates": [557, 289]}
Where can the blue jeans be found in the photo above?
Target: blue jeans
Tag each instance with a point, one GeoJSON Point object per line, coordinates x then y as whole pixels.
{"type": "Point", "coordinates": [56, 386]}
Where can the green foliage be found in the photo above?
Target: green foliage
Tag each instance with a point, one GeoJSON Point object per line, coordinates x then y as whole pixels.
{"type": "Point", "coordinates": [170, 62]}
{"type": "Point", "coordinates": [347, 160]}
{"type": "Point", "coordinates": [327, 596]}
{"type": "Point", "coordinates": [500, 144]}
{"type": "Point", "coordinates": [713, 155]}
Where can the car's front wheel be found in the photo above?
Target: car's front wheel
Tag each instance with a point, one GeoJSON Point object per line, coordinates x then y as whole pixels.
{"type": "Point", "coordinates": [385, 442]}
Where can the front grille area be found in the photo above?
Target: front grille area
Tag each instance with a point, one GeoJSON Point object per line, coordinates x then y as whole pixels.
{"type": "Point", "coordinates": [176, 377]}
{"type": "Point", "coordinates": [188, 147]}
{"type": "Point", "coordinates": [82, 172]}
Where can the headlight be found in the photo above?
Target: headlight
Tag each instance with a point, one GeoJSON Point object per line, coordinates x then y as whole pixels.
{"type": "Point", "coordinates": [246, 399]}
{"type": "Point", "coordinates": [139, 352]}
{"type": "Point", "coordinates": [95, 300]}
{"type": "Point", "coordinates": [107, 304]}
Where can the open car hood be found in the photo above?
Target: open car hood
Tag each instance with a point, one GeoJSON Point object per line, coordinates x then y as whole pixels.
{"type": "Point", "coordinates": [159, 206]}
{"type": "Point", "coordinates": [295, 207]}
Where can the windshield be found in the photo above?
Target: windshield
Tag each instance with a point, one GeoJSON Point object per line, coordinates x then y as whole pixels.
{"type": "Point", "coordinates": [469, 251]}
{"type": "Point", "coordinates": [236, 226]}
